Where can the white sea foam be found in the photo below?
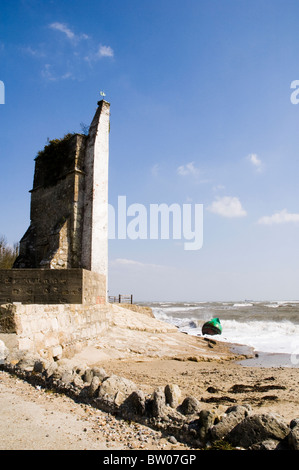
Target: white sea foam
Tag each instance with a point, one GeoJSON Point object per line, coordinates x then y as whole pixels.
{"type": "Point", "coordinates": [267, 336]}
{"type": "Point", "coordinates": [271, 327]}
{"type": "Point", "coordinates": [181, 309]}
{"type": "Point", "coordinates": [243, 305]}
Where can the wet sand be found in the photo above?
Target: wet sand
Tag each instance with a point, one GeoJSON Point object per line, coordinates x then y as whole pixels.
{"type": "Point", "coordinates": [264, 359]}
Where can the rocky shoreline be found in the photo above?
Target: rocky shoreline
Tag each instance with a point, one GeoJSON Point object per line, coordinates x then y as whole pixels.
{"type": "Point", "coordinates": [166, 388]}
{"type": "Point", "coordinates": [165, 410]}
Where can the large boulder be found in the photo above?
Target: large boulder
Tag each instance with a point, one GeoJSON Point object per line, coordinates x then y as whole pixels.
{"type": "Point", "coordinates": [99, 372]}
{"type": "Point", "coordinates": [233, 416]}
{"type": "Point", "coordinates": [172, 395]}
{"type": "Point", "coordinates": [50, 369]}
{"type": "Point", "coordinates": [94, 386]}
{"type": "Point", "coordinates": [134, 405]}
{"type": "Point", "coordinates": [202, 425]}
{"type": "Point", "coordinates": [89, 373]}
{"type": "Point", "coordinates": [189, 406]}
{"type": "Point", "coordinates": [27, 361]}
{"type": "Point", "coordinates": [113, 391]}
{"type": "Point", "coordinates": [258, 428]}
{"type": "Point", "coordinates": [114, 384]}
{"type": "Point", "coordinates": [293, 437]}
{"type": "Point", "coordinates": [158, 402]}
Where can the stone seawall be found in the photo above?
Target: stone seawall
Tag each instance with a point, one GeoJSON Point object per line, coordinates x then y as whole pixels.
{"type": "Point", "coordinates": [54, 331]}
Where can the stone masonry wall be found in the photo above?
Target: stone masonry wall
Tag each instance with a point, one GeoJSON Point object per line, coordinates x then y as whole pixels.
{"type": "Point", "coordinates": [54, 330]}
{"type": "Point", "coordinates": [54, 237]}
{"type": "Point", "coordinates": [55, 298]}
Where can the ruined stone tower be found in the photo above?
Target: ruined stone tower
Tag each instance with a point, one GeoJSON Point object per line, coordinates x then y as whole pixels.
{"type": "Point", "coordinates": [64, 253]}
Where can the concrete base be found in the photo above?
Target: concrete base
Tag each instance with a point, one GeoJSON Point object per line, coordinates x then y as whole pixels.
{"type": "Point", "coordinates": [53, 331]}
{"type": "Point", "coordinates": [52, 286]}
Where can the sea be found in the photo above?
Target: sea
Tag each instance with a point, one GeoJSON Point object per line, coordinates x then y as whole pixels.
{"type": "Point", "coordinates": [264, 326]}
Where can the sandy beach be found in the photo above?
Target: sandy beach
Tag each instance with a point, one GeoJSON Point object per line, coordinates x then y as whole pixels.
{"type": "Point", "coordinates": [219, 385]}
{"type": "Point", "coordinates": [151, 354]}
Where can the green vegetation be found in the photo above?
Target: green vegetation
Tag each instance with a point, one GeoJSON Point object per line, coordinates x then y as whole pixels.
{"type": "Point", "coordinates": [8, 254]}
{"type": "Point", "coordinates": [53, 160]}
{"type": "Point", "coordinates": [221, 445]}
{"type": "Point", "coordinates": [54, 145]}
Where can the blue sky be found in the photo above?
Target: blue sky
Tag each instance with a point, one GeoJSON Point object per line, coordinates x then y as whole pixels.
{"type": "Point", "coordinates": [201, 113]}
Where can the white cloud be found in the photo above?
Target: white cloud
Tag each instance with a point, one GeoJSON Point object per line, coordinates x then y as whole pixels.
{"type": "Point", "coordinates": [227, 207]}
{"type": "Point", "coordinates": [63, 28]}
{"type": "Point", "coordinates": [130, 262]}
{"type": "Point", "coordinates": [188, 169]}
{"type": "Point", "coordinates": [256, 162]}
{"type": "Point", "coordinates": [282, 217]}
{"type": "Point", "coordinates": [99, 53]}
{"type": "Point", "coordinates": [105, 51]}
{"type": "Point", "coordinates": [60, 64]}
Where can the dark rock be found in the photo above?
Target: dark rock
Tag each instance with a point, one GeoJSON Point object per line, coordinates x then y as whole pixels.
{"type": "Point", "coordinates": [39, 366]}
{"type": "Point", "coordinates": [293, 437]}
{"type": "Point", "coordinates": [203, 425]}
{"type": "Point", "coordinates": [294, 422]}
{"type": "Point", "coordinates": [134, 404]}
{"type": "Point", "coordinates": [189, 406]}
{"type": "Point", "coordinates": [80, 370]}
{"type": "Point", "coordinates": [27, 361]}
{"type": "Point", "coordinates": [94, 386]}
{"type": "Point", "coordinates": [233, 416]}
{"type": "Point", "coordinates": [88, 375]}
{"type": "Point", "coordinates": [241, 388]}
{"type": "Point", "coordinates": [221, 399]}
{"type": "Point", "coordinates": [212, 390]}
{"type": "Point", "coordinates": [158, 402]}
{"type": "Point", "coordinates": [256, 428]}
{"type": "Point", "coordinates": [50, 369]}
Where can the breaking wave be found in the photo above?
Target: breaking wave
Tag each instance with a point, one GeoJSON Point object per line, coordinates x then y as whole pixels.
{"type": "Point", "coordinates": [270, 326]}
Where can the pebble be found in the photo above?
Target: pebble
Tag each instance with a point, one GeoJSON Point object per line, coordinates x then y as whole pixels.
{"type": "Point", "coordinates": [133, 436]}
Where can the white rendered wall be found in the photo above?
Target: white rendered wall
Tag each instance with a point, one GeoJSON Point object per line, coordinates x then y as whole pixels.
{"type": "Point", "coordinates": [95, 223]}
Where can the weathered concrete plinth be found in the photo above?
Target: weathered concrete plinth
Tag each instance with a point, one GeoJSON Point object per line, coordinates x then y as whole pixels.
{"type": "Point", "coordinates": [53, 312]}
{"type": "Point", "coordinates": [52, 286]}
